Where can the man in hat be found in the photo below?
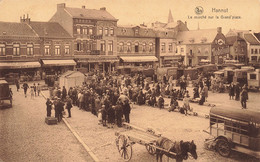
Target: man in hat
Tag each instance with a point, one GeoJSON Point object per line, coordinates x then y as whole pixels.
{"type": "Point", "coordinates": [59, 108]}
{"type": "Point", "coordinates": [244, 97]}
{"type": "Point", "coordinates": [69, 106]}
{"type": "Point", "coordinates": [48, 104]}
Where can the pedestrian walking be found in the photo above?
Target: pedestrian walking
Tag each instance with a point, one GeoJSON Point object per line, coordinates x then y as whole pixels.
{"type": "Point", "coordinates": [69, 106]}
{"type": "Point", "coordinates": [244, 97]}
{"type": "Point", "coordinates": [237, 91]}
{"type": "Point", "coordinates": [231, 91]}
{"type": "Point", "coordinates": [34, 89]}
{"type": "Point", "coordinates": [64, 93]}
{"type": "Point", "coordinates": [25, 88]}
{"type": "Point", "coordinates": [17, 84]}
{"type": "Point", "coordinates": [49, 106]}
{"type": "Point", "coordinates": [60, 109]}
{"type": "Point", "coordinates": [38, 88]}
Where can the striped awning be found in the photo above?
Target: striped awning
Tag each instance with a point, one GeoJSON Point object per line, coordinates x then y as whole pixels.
{"type": "Point", "coordinates": [139, 58]}
{"type": "Point", "coordinates": [58, 63]}
{"type": "Point", "coordinates": [19, 65]}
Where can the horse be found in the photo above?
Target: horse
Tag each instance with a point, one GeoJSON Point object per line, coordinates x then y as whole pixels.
{"type": "Point", "coordinates": [180, 148]}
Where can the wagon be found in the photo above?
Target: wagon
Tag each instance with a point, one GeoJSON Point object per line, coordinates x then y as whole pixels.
{"type": "Point", "coordinates": [133, 134]}
{"type": "Point", "coordinates": [235, 129]}
{"type": "Point", "coordinates": [5, 97]}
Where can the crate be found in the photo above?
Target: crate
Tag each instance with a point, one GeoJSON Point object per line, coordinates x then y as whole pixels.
{"type": "Point", "coordinates": [50, 120]}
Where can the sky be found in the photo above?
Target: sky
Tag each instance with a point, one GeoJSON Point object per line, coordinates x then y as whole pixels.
{"type": "Point", "coordinates": [241, 14]}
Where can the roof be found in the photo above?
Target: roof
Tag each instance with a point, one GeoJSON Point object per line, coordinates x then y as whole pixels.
{"type": "Point", "coordinates": [257, 36]}
{"type": "Point", "coordinates": [90, 14]}
{"type": "Point", "coordinates": [237, 114]}
{"type": "Point", "coordinates": [171, 25]}
{"type": "Point", "coordinates": [250, 38]}
{"type": "Point", "coordinates": [232, 39]}
{"type": "Point", "coordinates": [49, 29]}
{"type": "Point", "coordinates": [16, 29]}
{"type": "Point", "coordinates": [19, 65]}
{"type": "Point", "coordinates": [197, 36]}
{"type": "Point", "coordinates": [72, 74]}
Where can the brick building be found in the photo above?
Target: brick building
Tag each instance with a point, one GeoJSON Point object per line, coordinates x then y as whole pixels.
{"type": "Point", "coordinates": [94, 36]}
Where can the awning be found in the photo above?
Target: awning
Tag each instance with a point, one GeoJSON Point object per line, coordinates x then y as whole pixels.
{"type": "Point", "coordinates": [175, 58]}
{"type": "Point", "coordinates": [58, 63]}
{"type": "Point", "coordinates": [139, 58]}
{"type": "Point", "coordinates": [98, 59]}
{"type": "Point", "coordinates": [19, 65]}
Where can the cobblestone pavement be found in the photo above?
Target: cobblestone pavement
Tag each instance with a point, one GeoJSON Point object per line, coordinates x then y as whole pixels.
{"type": "Point", "coordinates": [42, 145]}
{"type": "Point", "coordinates": [24, 136]}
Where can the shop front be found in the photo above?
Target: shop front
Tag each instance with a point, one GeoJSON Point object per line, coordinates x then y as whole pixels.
{"type": "Point", "coordinates": [56, 67]}
{"type": "Point", "coordinates": [170, 61]}
{"type": "Point", "coordinates": [141, 61]}
{"type": "Point", "coordinates": [23, 71]}
{"type": "Point", "coordinates": [102, 64]}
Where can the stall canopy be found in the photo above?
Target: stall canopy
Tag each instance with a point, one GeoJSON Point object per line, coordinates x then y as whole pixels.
{"type": "Point", "coordinates": [58, 63]}
{"type": "Point", "coordinates": [139, 58]}
{"type": "Point", "coordinates": [71, 79]}
{"type": "Point", "coordinates": [19, 65]}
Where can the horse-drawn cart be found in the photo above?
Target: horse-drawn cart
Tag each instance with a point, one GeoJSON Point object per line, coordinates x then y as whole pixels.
{"type": "Point", "coordinates": [133, 134]}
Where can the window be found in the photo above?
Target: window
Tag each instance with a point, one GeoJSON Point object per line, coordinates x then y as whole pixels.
{"type": "Point", "coordinates": [78, 46]}
{"type": "Point", "coordinates": [100, 31]}
{"type": "Point", "coordinates": [46, 50]}
{"type": "Point", "coordinates": [182, 50]}
{"type": "Point", "coordinates": [163, 48]}
{"type": "Point", "coordinates": [106, 31]}
{"type": "Point", "coordinates": [29, 49]}
{"type": "Point", "coordinates": [150, 47]}
{"type": "Point", "coordinates": [90, 31]}
{"type": "Point", "coordinates": [16, 49]}
{"type": "Point", "coordinates": [78, 30]}
{"type": "Point", "coordinates": [252, 51]}
{"type": "Point", "coordinates": [144, 47]}
{"type": "Point", "coordinates": [85, 31]}
{"type": "Point", "coordinates": [199, 50]}
{"type": "Point", "coordinates": [242, 49]}
{"type": "Point", "coordinates": [253, 76]}
{"type": "Point", "coordinates": [121, 47]}
{"type": "Point", "coordinates": [128, 47]}
{"type": "Point", "coordinates": [2, 49]}
{"type": "Point", "coordinates": [110, 46]}
{"type": "Point", "coordinates": [67, 50]}
{"type": "Point", "coordinates": [256, 51]}
{"type": "Point", "coordinates": [170, 47]}
{"type": "Point", "coordinates": [112, 31]}
{"type": "Point", "coordinates": [136, 31]}
{"type": "Point", "coordinates": [102, 46]}
{"type": "Point", "coordinates": [136, 47]}
{"type": "Point", "coordinates": [253, 58]}
{"type": "Point", "coordinates": [57, 50]}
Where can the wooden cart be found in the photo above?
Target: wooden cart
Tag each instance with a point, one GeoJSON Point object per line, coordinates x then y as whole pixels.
{"type": "Point", "coordinates": [133, 134]}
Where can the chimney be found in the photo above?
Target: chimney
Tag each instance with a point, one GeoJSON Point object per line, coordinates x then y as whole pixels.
{"type": "Point", "coordinates": [219, 29]}
{"type": "Point", "coordinates": [103, 8]}
{"type": "Point", "coordinates": [61, 6]}
{"type": "Point", "coordinates": [25, 20]}
{"type": "Point", "coordinates": [83, 7]}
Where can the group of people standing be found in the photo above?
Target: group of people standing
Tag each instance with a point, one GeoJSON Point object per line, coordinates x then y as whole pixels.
{"type": "Point", "coordinates": [238, 93]}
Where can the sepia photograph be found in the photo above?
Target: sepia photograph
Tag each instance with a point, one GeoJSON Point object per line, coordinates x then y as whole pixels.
{"type": "Point", "coordinates": [129, 80]}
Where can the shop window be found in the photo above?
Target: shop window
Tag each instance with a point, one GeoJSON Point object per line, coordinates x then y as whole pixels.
{"type": "Point", "coordinates": [110, 46]}
{"type": "Point", "coordinates": [29, 49]}
{"type": "Point", "coordinates": [106, 31]}
{"type": "Point", "coordinates": [57, 50]}
{"type": "Point", "coordinates": [112, 31]}
{"type": "Point", "coordinates": [2, 49]}
{"type": "Point", "coordinates": [46, 50]}
{"type": "Point", "coordinates": [129, 47]}
{"type": "Point", "coordinates": [85, 31]}
{"type": "Point", "coordinates": [170, 47]}
{"type": "Point", "coordinates": [121, 47]}
{"type": "Point", "coordinates": [67, 50]}
{"type": "Point", "coordinates": [16, 49]}
{"type": "Point", "coordinates": [90, 31]}
{"type": "Point", "coordinates": [136, 47]}
{"type": "Point", "coordinates": [78, 30]}
{"type": "Point", "coordinates": [100, 31]}
{"type": "Point", "coordinates": [163, 47]}
{"type": "Point", "coordinates": [102, 46]}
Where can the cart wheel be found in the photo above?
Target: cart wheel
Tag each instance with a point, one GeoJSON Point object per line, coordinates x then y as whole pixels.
{"type": "Point", "coordinates": [223, 147]}
{"type": "Point", "coordinates": [150, 149]}
{"type": "Point", "coordinates": [124, 148]}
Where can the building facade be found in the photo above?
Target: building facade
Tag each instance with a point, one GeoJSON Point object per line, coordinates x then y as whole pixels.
{"type": "Point", "coordinates": [94, 33]}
